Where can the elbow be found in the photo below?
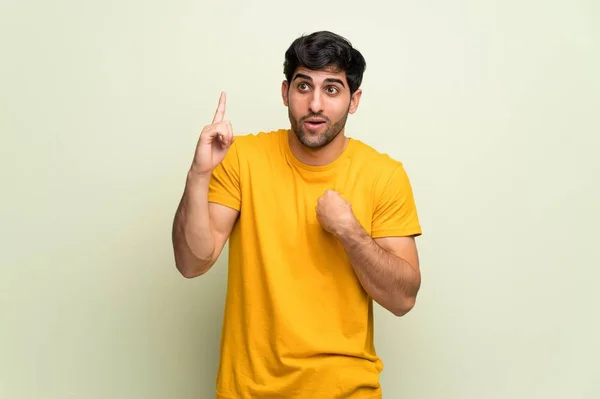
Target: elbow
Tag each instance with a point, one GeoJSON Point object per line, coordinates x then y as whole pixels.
{"type": "Point", "coordinates": [192, 269]}
{"type": "Point", "coordinates": [403, 307]}
{"type": "Point", "coordinates": [191, 273]}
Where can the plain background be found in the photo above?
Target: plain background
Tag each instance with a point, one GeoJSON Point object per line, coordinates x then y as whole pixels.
{"type": "Point", "coordinates": [492, 106]}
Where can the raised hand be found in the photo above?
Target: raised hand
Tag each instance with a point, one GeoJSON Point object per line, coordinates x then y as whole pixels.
{"type": "Point", "coordinates": [215, 140]}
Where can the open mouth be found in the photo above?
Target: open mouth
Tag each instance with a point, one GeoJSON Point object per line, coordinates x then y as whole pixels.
{"type": "Point", "coordinates": [314, 123]}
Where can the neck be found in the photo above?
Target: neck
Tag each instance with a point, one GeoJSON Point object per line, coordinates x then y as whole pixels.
{"type": "Point", "coordinates": [318, 156]}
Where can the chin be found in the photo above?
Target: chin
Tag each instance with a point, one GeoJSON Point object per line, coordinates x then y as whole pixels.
{"type": "Point", "coordinates": [314, 141]}
{"type": "Point", "coordinates": [314, 145]}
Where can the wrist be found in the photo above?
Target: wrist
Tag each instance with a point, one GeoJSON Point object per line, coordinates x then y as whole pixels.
{"type": "Point", "coordinates": [198, 179]}
{"type": "Point", "coordinates": [351, 228]}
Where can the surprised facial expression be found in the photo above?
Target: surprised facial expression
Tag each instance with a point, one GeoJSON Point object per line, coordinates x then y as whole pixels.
{"type": "Point", "coordinates": [318, 105]}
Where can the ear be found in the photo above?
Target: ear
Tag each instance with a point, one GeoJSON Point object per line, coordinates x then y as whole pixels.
{"type": "Point", "coordinates": [354, 100]}
{"type": "Point", "coordinates": [284, 92]}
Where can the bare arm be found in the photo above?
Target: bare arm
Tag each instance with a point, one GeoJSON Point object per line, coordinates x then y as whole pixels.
{"type": "Point", "coordinates": [200, 228]}
{"type": "Point", "coordinates": [387, 268]}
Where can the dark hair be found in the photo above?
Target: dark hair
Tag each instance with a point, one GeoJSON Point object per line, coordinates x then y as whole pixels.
{"type": "Point", "coordinates": [323, 49]}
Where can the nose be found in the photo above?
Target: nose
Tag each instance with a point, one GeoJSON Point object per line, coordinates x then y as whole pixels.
{"type": "Point", "coordinates": [316, 103]}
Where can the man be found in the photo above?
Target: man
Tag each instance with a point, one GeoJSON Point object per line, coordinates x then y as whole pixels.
{"type": "Point", "coordinates": [319, 226]}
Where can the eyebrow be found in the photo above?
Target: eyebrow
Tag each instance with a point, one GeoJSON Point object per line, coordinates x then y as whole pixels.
{"type": "Point", "coordinates": [330, 80]}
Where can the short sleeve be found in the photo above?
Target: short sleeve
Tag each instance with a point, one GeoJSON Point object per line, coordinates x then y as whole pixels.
{"type": "Point", "coordinates": [395, 212]}
{"type": "Point", "coordinates": [224, 187]}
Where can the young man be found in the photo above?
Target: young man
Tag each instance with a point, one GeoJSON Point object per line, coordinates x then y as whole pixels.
{"type": "Point", "coordinates": [319, 226]}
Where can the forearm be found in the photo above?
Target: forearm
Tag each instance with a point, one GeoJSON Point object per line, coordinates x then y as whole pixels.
{"type": "Point", "coordinates": [390, 280]}
{"type": "Point", "coordinates": [193, 238]}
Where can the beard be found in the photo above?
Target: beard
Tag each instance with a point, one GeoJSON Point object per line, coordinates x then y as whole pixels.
{"type": "Point", "coordinates": [317, 140]}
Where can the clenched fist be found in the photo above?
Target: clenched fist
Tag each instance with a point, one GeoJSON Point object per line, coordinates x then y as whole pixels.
{"type": "Point", "coordinates": [335, 213]}
{"type": "Point", "coordinates": [215, 140]}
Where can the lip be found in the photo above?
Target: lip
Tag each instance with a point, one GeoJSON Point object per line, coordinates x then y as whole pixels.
{"type": "Point", "coordinates": [313, 127]}
{"type": "Point", "coordinates": [313, 124]}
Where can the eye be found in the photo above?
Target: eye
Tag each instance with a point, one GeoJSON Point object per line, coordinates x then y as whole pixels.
{"type": "Point", "coordinates": [303, 86]}
{"type": "Point", "coordinates": [332, 90]}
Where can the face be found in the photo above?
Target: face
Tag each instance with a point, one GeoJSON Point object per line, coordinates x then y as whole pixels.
{"type": "Point", "coordinates": [318, 105]}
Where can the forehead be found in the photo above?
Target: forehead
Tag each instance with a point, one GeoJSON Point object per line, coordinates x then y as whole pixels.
{"type": "Point", "coordinates": [321, 75]}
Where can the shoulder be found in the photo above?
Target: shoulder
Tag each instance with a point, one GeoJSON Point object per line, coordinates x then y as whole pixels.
{"type": "Point", "coordinates": [253, 148]}
{"type": "Point", "coordinates": [366, 153]}
{"type": "Point", "coordinates": [376, 165]}
{"type": "Point", "coordinates": [251, 142]}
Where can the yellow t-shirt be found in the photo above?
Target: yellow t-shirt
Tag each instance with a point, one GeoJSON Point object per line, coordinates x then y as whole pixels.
{"type": "Point", "coordinates": [297, 322]}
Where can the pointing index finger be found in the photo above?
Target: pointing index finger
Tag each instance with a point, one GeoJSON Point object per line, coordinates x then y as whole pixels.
{"type": "Point", "coordinates": [220, 113]}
